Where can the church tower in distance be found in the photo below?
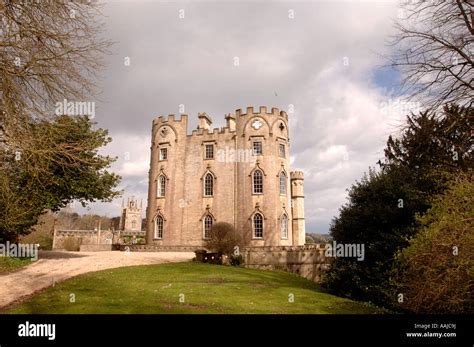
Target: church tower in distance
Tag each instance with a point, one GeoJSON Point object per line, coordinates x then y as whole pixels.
{"type": "Point", "coordinates": [131, 216]}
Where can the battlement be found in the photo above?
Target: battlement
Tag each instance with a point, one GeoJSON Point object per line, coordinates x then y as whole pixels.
{"type": "Point", "coordinates": [205, 122]}
{"type": "Point", "coordinates": [297, 175]}
{"type": "Point", "coordinates": [170, 118]}
{"type": "Point", "coordinates": [211, 132]}
{"type": "Point", "coordinates": [262, 110]}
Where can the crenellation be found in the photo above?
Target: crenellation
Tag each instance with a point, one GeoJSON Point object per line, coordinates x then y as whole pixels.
{"type": "Point", "coordinates": [226, 130]}
{"type": "Point", "coordinates": [297, 175]}
{"type": "Point", "coordinates": [184, 118]}
{"type": "Point", "coordinates": [158, 119]}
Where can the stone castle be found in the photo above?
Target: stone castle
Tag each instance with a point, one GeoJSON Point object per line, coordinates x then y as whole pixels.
{"type": "Point", "coordinates": [239, 174]}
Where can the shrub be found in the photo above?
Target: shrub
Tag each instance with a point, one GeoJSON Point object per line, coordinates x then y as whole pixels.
{"type": "Point", "coordinates": [41, 233]}
{"type": "Point", "coordinates": [434, 273]}
{"type": "Point", "coordinates": [223, 239]}
{"type": "Point", "coordinates": [45, 240]}
{"type": "Point", "coordinates": [236, 260]}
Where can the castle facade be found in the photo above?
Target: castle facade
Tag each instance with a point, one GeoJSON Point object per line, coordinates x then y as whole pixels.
{"type": "Point", "coordinates": [239, 174]}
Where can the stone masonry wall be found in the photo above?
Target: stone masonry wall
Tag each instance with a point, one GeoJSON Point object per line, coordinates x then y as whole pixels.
{"type": "Point", "coordinates": [91, 237]}
{"type": "Point", "coordinates": [308, 261]}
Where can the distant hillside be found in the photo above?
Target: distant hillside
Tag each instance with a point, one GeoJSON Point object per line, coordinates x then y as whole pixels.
{"type": "Point", "coordinates": [317, 238]}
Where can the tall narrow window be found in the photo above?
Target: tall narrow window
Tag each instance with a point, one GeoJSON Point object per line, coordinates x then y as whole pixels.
{"type": "Point", "coordinates": [207, 226]}
{"type": "Point", "coordinates": [257, 182]}
{"type": "Point", "coordinates": [257, 148]}
{"type": "Point", "coordinates": [282, 183]}
{"type": "Point", "coordinates": [284, 227]}
{"type": "Point", "coordinates": [163, 153]}
{"type": "Point", "coordinates": [258, 226]}
{"type": "Point", "coordinates": [134, 224]}
{"type": "Point", "coordinates": [161, 186]}
{"type": "Point", "coordinates": [208, 185]}
{"type": "Point", "coordinates": [282, 151]}
{"type": "Point", "coordinates": [159, 227]}
{"type": "Point", "coordinates": [209, 152]}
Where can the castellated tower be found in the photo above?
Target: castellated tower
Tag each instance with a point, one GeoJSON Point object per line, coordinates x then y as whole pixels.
{"type": "Point", "coordinates": [131, 216]}
{"type": "Point", "coordinates": [297, 207]}
{"type": "Point", "coordinates": [237, 174]}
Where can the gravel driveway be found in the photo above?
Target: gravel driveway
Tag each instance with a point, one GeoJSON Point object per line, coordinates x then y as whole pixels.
{"type": "Point", "coordinates": [57, 266]}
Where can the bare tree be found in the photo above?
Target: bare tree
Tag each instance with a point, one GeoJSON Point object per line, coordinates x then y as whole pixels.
{"type": "Point", "coordinates": [435, 51]}
{"type": "Point", "coordinates": [49, 51]}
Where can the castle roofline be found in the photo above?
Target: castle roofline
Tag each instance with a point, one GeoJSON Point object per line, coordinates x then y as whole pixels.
{"type": "Point", "coordinates": [262, 110]}
{"type": "Point", "coordinates": [205, 125]}
{"type": "Point", "coordinates": [204, 115]}
{"type": "Point", "coordinates": [297, 175]}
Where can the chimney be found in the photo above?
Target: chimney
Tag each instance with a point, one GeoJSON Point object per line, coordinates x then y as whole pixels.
{"type": "Point", "coordinates": [230, 118]}
{"type": "Point", "coordinates": [205, 121]}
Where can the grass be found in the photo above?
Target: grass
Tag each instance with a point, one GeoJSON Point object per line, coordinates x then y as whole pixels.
{"type": "Point", "coordinates": [202, 288]}
{"type": "Point", "coordinates": [9, 264]}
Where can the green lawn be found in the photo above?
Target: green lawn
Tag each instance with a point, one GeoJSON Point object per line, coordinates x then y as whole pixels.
{"type": "Point", "coordinates": [8, 264]}
{"type": "Point", "coordinates": [203, 288]}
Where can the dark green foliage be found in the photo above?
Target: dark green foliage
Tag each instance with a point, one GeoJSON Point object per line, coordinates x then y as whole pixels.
{"type": "Point", "coordinates": [58, 163]}
{"type": "Point", "coordinates": [383, 206]}
{"type": "Point", "coordinates": [236, 260]}
{"type": "Point", "coordinates": [435, 273]}
{"type": "Point", "coordinates": [373, 218]}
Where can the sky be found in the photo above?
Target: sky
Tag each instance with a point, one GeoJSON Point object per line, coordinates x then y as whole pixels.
{"type": "Point", "coordinates": [324, 60]}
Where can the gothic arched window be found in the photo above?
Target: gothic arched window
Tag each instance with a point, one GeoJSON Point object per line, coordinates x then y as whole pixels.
{"type": "Point", "coordinates": [207, 224]}
{"type": "Point", "coordinates": [208, 185]}
{"type": "Point", "coordinates": [159, 227]}
{"type": "Point", "coordinates": [161, 186]}
{"type": "Point", "coordinates": [257, 182]}
{"type": "Point", "coordinates": [284, 227]}
{"type": "Point", "coordinates": [282, 183]}
{"type": "Point", "coordinates": [258, 226]}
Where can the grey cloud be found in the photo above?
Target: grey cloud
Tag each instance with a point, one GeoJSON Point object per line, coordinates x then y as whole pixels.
{"type": "Point", "coordinates": [282, 61]}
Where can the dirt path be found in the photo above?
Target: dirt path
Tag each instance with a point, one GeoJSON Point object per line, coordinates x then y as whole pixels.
{"type": "Point", "coordinates": [54, 266]}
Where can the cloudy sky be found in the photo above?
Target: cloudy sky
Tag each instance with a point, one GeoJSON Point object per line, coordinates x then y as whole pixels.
{"type": "Point", "coordinates": [323, 57]}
